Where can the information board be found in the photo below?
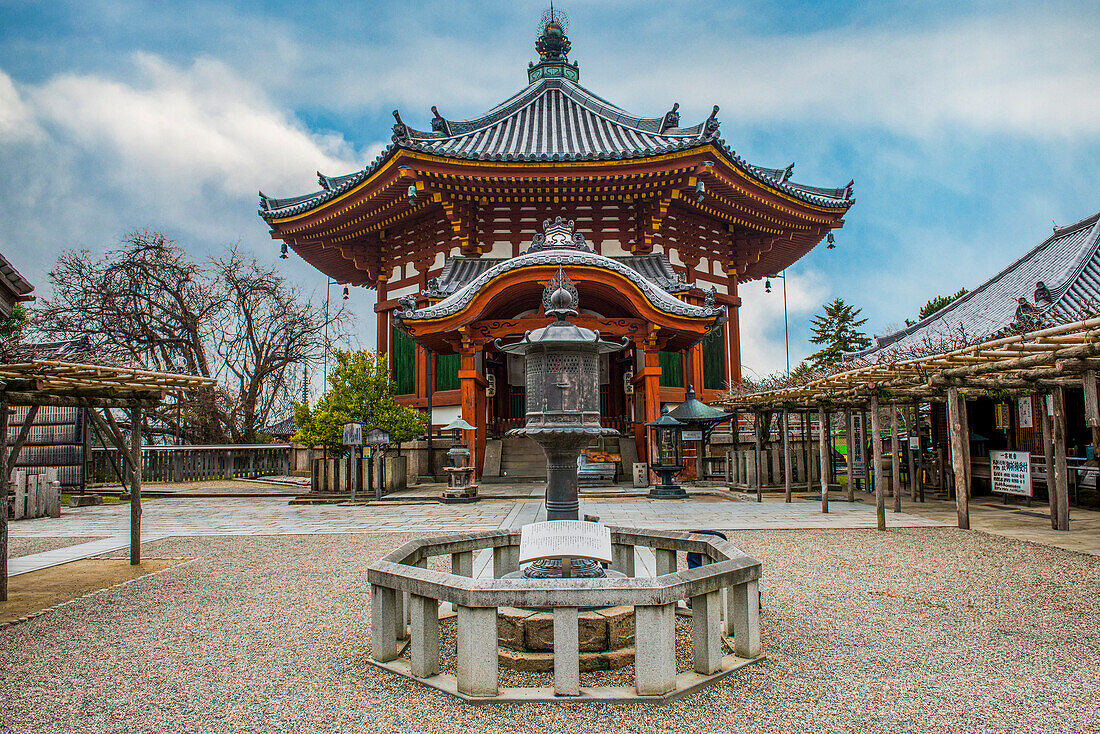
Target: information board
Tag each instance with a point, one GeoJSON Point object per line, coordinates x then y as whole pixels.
{"type": "Point", "coordinates": [353, 434]}
{"type": "Point", "coordinates": [1011, 472]}
{"type": "Point", "coordinates": [565, 539]}
{"type": "Point", "coordinates": [1024, 413]}
{"type": "Point", "coordinates": [692, 435]}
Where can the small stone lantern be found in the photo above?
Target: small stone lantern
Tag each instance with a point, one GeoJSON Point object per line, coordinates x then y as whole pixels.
{"type": "Point", "coordinates": [460, 473]}
{"type": "Point", "coordinates": [668, 442]}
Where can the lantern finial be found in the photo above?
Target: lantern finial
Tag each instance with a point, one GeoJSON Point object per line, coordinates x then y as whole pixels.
{"type": "Point", "coordinates": [560, 297]}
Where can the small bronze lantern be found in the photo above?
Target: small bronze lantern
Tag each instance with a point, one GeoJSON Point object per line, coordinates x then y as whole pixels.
{"type": "Point", "coordinates": [460, 474]}
{"type": "Point", "coordinates": [669, 445]}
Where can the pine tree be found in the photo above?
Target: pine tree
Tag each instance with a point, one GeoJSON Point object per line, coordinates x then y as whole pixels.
{"type": "Point", "coordinates": [836, 330]}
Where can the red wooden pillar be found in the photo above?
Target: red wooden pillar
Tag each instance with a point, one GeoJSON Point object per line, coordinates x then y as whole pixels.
{"type": "Point", "coordinates": [383, 317]}
{"type": "Point", "coordinates": [472, 385]}
{"type": "Point", "coordinates": [651, 390]}
{"type": "Point", "coordinates": [733, 331]}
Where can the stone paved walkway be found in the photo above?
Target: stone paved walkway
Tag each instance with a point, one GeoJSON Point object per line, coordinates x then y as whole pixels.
{"type": "Point", "coordinates": [164, 518]}
{"type": "Point", "coordinates": [273, 516]}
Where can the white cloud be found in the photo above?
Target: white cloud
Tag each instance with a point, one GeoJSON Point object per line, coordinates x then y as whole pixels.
{"type": "Point", "coordinates": [1032, 74]}
{"type": "Point", "coordinates": [761, 320]}
{"type": "Point", "coordinates": [183, 131]}
{"type": "Point", "coordinates": [16, 117]}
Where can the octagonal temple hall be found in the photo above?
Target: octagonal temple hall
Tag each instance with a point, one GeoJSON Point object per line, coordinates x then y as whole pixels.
{"type": "Point", "coordinates": [459, 226]}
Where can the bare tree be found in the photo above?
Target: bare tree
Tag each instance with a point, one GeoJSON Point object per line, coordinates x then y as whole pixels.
{"type": "Point", "coordinates": [232, 318]}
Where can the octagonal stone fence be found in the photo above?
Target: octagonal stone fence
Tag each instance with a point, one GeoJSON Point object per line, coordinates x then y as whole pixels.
{"type": "Point", "coordinates": [723, 593]}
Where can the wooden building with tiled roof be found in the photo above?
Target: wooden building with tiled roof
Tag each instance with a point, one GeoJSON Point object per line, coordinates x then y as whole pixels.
{"type": "Point", "coordinates": [459, 225]}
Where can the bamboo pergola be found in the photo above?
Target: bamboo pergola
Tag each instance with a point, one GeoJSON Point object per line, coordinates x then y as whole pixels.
{"type": "Point", "coordinates": [1043, 361]}
{"type": "Point", "coordinates": [38, 382]}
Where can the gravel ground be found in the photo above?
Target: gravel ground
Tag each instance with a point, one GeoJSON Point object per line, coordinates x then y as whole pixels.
{"type": "Point", "coordinates": [923, 630]}
{"type": "Point", "coordinates": [18, 547]}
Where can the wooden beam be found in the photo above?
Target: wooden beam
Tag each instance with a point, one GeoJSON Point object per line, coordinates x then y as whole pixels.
{"type": "Point", "coordinates": [20, 439]}
{"type": "Point", "coordinates": [135, 486]}
{"type": "Point", "coordinates": [112, 433]}
{"type": "Point", "coordinates": [1061, 471]}
{"type": "Point", "coordinates": [850, 443]}
{"type": "Point", "coordinates": [914, 476]}
{"type": "Point", "coordinates": [758, 453]}
{"type": "Point", "coordinates": [1048, 458]}
{"type": "Point", "coordinates": [823, 458]}
{"type": "Point", "coordinates": [5, 480]}
{"type": "Point", "coordinates": [876, 453]}
{"type": "Point", "coordinates": [958, 457]}
{"type": "Point", "coordinates": [895, 464]}
{"type": "Point", "coordinates": [786, 416]}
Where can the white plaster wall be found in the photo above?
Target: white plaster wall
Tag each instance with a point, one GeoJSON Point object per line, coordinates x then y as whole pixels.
{"type": "Point", "coordinates": [444, 414]}
{"type": "Point", "coordinates": [499, 249]}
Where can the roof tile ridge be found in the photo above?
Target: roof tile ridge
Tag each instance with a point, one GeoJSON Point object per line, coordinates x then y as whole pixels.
{"type": "Point", "coordinates": [494, 117]}
{"type": "Point", "coordinates": [1091, 244]}
{"type": "Point", "coordinates": [965, 298]}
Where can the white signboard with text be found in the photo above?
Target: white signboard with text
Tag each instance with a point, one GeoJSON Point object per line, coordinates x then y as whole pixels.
{"type": "Point", "coordinates": [565, 539]}
{"type": "Point", "coordinates": [1011, 472]}
{"type": "Point", "coordinates": [692, 435]}
{"type": "Point", "coordinates": [353, 434]}
{"type": "Point", "coordinates": [855, 443]}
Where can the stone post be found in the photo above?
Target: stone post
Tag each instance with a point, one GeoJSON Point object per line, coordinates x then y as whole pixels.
{"type": "Point", "coordinates": [424, 652]}
{"type": "Point", "coordinates": [477, 651]}
{"type": "Point", "coordinates": [462, 564]}
{"type": "Point", "coordinates": [744, 616]}
{"type": "Point", "coordinates": [567, 667]}
{"type": "Point", "coordinates": [706, 627]}
{"type": "Point", "coordinates": [623, 559]}
{"type": "Point", "coordinates": [666, 561]}
{"type": "Point", "coordinates": [654, 649]}
{"type": "Point", "coordinates": [383, 624]}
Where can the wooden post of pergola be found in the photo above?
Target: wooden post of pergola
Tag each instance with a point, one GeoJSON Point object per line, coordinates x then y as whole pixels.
{"type": "Point", "coordinates": [823, 459]}
{"type": "Point", "coordinates": [39, 383]}
{"type": "Point", "coordinates": [850, 456]}
{"type": "Point", "coordinates": [895, 464]}
{"type": "Point", "coordinates": [1061, 471]}
{"type": "Point", "coordinates": [808, 445]}
{"type": "Point", "coordinates": [914, 474]}
{"type": "Point", "coordinates": [1092, 409]}
{"type": "Point", "coordinates": [786, 455]}
{"type": "Point", "coordinates": [1048, 459]}
{"type": "Point", "coordinates": [758, 455]}
{"type": "Point", "coordinates": [876, 454]}
{"type": "Point", "coordinates": [866, 457]}
{"type": "Point", "coordinates": [958, 456]}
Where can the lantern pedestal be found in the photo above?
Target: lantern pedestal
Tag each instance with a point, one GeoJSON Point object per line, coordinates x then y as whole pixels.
{"type": "Point", "coordinates": [666, 490]}
{"type": "Point", "coordinates": [461, 488]}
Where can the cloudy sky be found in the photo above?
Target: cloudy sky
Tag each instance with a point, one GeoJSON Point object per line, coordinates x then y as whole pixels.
{"type": "Point", "coordinates": [968, 127]}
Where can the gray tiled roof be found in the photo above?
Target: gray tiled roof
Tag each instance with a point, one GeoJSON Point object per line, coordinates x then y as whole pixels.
{"type": "Point", "coordinates": [461, 297]}
{"type": "Point", "coordinates": [458, 271]}
{"type": "Point", "coordinates": [12, 286]}
{"type": "Point", "coordinates": [554, 120]}
{"type": "Point", "coordinates": [1068, 264]}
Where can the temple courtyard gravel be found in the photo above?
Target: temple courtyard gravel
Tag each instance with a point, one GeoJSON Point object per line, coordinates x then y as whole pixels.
{"type": "Point", "coordinates": [915, 629]}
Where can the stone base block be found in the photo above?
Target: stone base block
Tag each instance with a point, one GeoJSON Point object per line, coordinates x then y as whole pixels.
{"type": "Point", "coordinates": [85, 500]}
{"type": "Point", "coordinates": [543, 662]}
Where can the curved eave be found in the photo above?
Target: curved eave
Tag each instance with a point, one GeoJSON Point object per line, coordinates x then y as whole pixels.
{"type": "Point", "coordinates": [393, 154]}
{"type": "Point", "coordinates": [469, 303]}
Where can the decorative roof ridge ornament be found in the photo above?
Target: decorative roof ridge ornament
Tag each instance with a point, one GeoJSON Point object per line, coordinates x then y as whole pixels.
{"type": "Point", "coordinates": [672, 118]}
{"type": "Point", "coordinates": [400, 130]}
{"type": "Point", "coordinates": [710, 127]}
{"type": "Point", "coordinates": [560, 297]}
{"type": "Point", "coordinates": [558, 235]}
{"type": "Point", "coordinates": [440, 125]}
{"type": "Point", "coordinates": [553, 46]}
